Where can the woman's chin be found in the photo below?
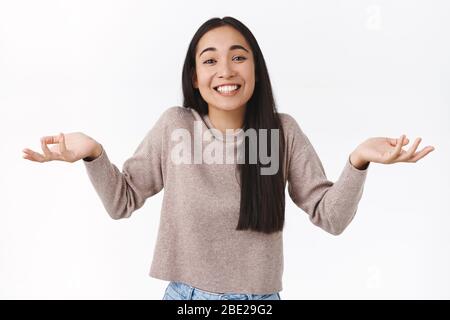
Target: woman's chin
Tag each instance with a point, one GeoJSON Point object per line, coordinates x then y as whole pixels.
{"type": "Point", "coordinates": [227, 107]}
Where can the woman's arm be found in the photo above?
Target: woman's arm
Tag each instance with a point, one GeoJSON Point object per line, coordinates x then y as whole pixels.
{"type": "Point", "coordinates": [123, 192]}
{"type": "Point", "coordinates": [120, 192]}
{"type": "Point", "coordinates": [332, 206]}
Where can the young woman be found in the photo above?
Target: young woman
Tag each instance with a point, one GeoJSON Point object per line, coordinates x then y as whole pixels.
{"type": "Point", "coordinates": [224, 159]}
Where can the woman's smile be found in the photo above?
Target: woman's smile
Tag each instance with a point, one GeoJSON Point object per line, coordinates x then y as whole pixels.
{"type": "Point", "coordinates": [228, 90]}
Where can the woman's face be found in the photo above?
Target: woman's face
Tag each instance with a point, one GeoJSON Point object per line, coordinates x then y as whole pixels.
{"type": "Point", "coordinates": [223, 57]}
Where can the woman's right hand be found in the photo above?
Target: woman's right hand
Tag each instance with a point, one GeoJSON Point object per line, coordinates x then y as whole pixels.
{"type": "Point", "coordinates": [68, 147]}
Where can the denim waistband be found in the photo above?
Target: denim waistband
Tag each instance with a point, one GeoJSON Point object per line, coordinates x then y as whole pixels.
{"type": "Point", "coordinates": [182, 291]}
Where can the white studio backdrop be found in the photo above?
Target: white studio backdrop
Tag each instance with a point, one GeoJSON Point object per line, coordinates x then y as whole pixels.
{"type": "Point", "coordinates": [345, 70]}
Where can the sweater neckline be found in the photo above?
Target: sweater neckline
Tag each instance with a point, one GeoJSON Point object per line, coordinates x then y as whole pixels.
{"type": "Point", "coordinates": [226, 137]}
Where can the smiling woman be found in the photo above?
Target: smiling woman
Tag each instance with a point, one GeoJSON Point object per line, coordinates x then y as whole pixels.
{"type": "Point", "coordinates": [223, 70]}
{"type": "Point", "coordinates": [225, 77]}
{"type": "Point", "coordinates": [220, 233]}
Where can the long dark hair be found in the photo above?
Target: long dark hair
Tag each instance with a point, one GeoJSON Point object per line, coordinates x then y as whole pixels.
{"type": "Point", "coordinates": [262, 196]}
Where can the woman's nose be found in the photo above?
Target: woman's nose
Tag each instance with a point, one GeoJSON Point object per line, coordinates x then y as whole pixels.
{"type": "Point", "coordinates": [226, 70]}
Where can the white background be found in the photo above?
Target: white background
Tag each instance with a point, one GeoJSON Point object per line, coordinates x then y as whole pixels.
{"type": "Point", "coordinates": [346, 71]}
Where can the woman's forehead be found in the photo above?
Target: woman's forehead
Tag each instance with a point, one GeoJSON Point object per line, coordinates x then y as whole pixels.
{"type": "Point", "coordinates": [222, 39]}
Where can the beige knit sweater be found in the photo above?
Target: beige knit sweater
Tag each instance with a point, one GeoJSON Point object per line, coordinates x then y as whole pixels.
{"type": "Point", "coordinates": [197, 242]}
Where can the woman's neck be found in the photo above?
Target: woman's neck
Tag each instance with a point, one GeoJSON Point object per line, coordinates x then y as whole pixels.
{"type": "Point", "coordinates": [223, 119]}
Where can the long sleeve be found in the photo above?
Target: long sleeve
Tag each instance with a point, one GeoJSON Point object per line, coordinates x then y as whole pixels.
{"type": "Point", "coordinates": [331, 206]}
{"type": "Point", "coordinates": [124, 192]}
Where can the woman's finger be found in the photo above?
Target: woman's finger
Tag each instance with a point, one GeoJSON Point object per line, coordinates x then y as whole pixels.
{"type": "Point", "coordinates": [410, 153]}
{"type": "Point", "coordinates": [394, 142]}
{"type": "Point", "coordinates": [420, 154]}
{"type": "Point", "coordinates": [49, 140]}
{"type": "Point", "coordinates": [33, 156]}
{"type": "Point", "coordinates": [47, 152]}
{"type": "Point", "coordinates": [398, 149]}
{"type": "Point", "coordinates": [62, 143]}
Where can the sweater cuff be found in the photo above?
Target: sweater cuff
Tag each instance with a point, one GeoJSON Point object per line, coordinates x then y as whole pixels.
{"type": "Point", "coordinates": [351, 179]}
{"type": "Point", "coordinates": [101, 160]}
{"type": "Point", "coordinates": [353, 167]}
{"type": "Point", "coordinates": [355, 176]}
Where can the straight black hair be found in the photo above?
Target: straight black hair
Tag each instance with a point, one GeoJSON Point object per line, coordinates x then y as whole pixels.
{"type": "Point", "coordinates": [262, 204]}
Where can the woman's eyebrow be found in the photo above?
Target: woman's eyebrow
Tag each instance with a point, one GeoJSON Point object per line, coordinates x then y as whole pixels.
{"type": "Point", "coordinates": [233, 47]}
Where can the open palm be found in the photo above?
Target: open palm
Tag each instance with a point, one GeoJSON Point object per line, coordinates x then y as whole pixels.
{"type": "Point", "coordinates": [388, 150]}
{"type": "Point", "coordinates": [68, 147]}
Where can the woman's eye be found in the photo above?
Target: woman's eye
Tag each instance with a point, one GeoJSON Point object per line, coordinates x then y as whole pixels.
{"type": "Point", "coordinates": [242, 58]}
{"type": "Point", "coordinates": [239, 58]}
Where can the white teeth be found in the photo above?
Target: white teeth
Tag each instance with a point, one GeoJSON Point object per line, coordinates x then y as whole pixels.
{"type": "Point", "coordinates": [227, 89]}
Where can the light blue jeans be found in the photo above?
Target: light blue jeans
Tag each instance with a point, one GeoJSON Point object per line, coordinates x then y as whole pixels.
{"type": "Point", "coordinates": [182, 291]}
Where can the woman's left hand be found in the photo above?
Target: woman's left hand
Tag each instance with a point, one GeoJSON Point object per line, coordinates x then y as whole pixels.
{"type": "Point", "coordinates": [387, 151]}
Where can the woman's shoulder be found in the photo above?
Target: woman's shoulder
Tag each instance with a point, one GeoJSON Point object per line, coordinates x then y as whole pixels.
{"type": "Point", "coordinates": [293, 133]}
{"type": "Point", "coordinates": [175, 115]}
{"type": "Point", "coordinates": [289, 124]}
